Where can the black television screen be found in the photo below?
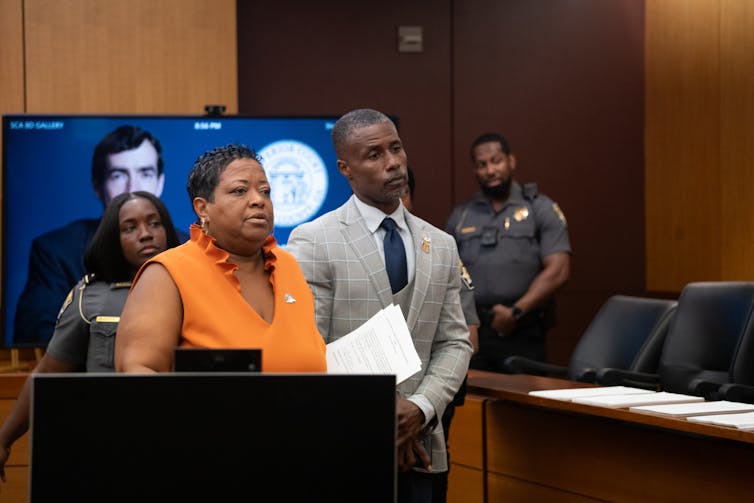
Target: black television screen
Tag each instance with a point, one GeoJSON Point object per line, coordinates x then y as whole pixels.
{"type": "Point", "coordinates": [47, 177]}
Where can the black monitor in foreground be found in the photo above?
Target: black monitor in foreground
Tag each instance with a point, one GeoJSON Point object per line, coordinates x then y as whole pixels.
{"type": "Point", "coordinates": [213, 437]}
{"type": "Point", "coordinates": [217, 360]}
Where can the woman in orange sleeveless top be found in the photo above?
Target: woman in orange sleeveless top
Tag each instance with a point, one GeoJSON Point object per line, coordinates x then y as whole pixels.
{"type": "Point", "coordinates": [230, 286]}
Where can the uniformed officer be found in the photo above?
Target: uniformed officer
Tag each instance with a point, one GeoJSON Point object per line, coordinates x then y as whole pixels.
{"type": "Point", "coordinates": [135, 227]}
{"type": "Point", "coordinates": [514, 242]}
{"type": "Point", "coordinates": [87, 322]}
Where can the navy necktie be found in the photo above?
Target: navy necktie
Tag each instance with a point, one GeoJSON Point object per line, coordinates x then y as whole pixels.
{"type": "Point", "coordinates": [395, 256]}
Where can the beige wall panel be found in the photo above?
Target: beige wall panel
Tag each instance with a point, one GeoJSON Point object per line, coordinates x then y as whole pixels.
{"type": "Point", "coordinates": [737, 138]}
{"type": "Point", "coordinates": [682, 142]}
{"type": "Point", "coordinates": [140, 56]}
{"type": "Point", "coordinates": [11, 57]}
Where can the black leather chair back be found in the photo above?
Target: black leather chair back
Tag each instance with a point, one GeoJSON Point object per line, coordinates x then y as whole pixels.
{"type": "Point", "coordinates": [627, 333]}
{"type": "Point", "coordinates": [712, 320]}
{"type": "Point", "coordinates": [742, 370]}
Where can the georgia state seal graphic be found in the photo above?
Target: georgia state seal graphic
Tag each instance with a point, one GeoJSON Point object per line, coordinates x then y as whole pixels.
{"type": "Point", "coordinates": [298, 179]}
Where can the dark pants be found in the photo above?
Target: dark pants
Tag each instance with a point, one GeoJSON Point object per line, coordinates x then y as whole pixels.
{"type": "Point", "coordinates": [528, 339]}
{"type": "Point", "coordinates": [440, 480]}
{"type": "Point", "coordinates": [415, 487]}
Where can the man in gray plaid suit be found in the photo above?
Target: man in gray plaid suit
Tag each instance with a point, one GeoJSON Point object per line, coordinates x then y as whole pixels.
{"type": "Point", "coordinates": [344, 260]}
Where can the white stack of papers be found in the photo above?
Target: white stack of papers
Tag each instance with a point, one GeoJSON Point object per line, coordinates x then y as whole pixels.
{"type": "Point", "coordinates": [382, 345]}
{"type": "Point", "coordinates": [743, 421]}
{"type": "Point", "coordinates": [695, 408]}
{"type": "Point", "coordinates": [571, 393]}
{"type": "Point", "coordinates": [618, 401]}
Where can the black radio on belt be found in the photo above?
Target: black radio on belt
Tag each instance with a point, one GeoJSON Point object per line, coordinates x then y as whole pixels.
{"type": "Point", "coordinates": [489, 236]}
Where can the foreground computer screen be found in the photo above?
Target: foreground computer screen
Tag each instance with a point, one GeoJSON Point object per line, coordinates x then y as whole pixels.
{"type": "Point", "coordinates": [213, 437]}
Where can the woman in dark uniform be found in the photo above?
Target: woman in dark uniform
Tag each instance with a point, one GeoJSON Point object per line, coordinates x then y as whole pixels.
{"type": "Point", "coordinates": [135, 227]}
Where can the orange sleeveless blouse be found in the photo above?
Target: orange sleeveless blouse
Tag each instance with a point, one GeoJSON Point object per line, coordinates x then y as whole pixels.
{"type": "Point", "coordinates": [215, 314]}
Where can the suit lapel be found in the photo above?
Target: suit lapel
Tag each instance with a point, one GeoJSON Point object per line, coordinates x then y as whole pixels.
{"type": "Point", "coordinates": [362, 242]}
{"type": "Point", "coordinates": [422, 268]}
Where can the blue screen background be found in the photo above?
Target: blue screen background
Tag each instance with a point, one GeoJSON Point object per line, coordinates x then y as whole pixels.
{"type": "Point", "coordinates": [47, 173]}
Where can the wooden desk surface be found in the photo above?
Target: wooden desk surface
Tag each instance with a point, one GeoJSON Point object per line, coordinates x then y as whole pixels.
{"type": "Point", "coordinates": [539, 449]}
{"type": "Point", "coordinates": [516, 387]}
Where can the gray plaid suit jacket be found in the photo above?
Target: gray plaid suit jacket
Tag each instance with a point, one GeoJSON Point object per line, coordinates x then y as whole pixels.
{"type": "Point", "coordinates": [341, 262]}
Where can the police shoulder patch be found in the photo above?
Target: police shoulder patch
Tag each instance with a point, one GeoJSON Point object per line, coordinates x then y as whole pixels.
{"type": "Point", "coordinates": [66, 303]}
{"type": "Point", "coordinates": [465, 276]}
{"type": "Point", "coordinates": [559, 212]}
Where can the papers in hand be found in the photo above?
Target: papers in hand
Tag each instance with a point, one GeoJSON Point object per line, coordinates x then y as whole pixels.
{"type": "Point", "coordinates": [382, 345]}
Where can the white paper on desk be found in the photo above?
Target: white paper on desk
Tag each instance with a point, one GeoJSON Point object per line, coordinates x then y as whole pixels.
{"type": "Point", "coordinates": [571, 393]}
{"type": "Point", "coordinates": [695, 408]}
{"type": "Point", "coordinates": [382, 345]}
{"type": "Point", "coordinates": [744, 421]}
{"type": "Point", "coordinates": [619, 401]}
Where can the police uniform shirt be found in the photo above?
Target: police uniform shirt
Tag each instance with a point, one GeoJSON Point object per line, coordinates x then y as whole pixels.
{"type": "Point", "coordinates": [87, 323]}
{"type": "Point", "coordinates": [503, 251]}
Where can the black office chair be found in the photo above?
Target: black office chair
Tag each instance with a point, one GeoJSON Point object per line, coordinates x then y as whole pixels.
{"type": "Point", "coordinates": [711, 320]}
{"type": "Point", "coordinates": [626, 333]}
{"type": "Point", "coordinates": [741, 385]}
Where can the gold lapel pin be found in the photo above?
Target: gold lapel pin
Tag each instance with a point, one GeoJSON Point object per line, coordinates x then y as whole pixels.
{"type": "Point", "coordinates": [425, 244]}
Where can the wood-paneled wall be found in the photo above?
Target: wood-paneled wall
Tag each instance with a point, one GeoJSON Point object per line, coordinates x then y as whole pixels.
{"type": "Point", "coordinates": [699, 123]}
{"type": "Point", "coordinates": [737, 138]}
{"type": "Point", "coordinates": [11, 56]}
{"type": "Point", "coordinates": [140, 56]}
{"type": "Point", "coordinates": [11, 63]}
